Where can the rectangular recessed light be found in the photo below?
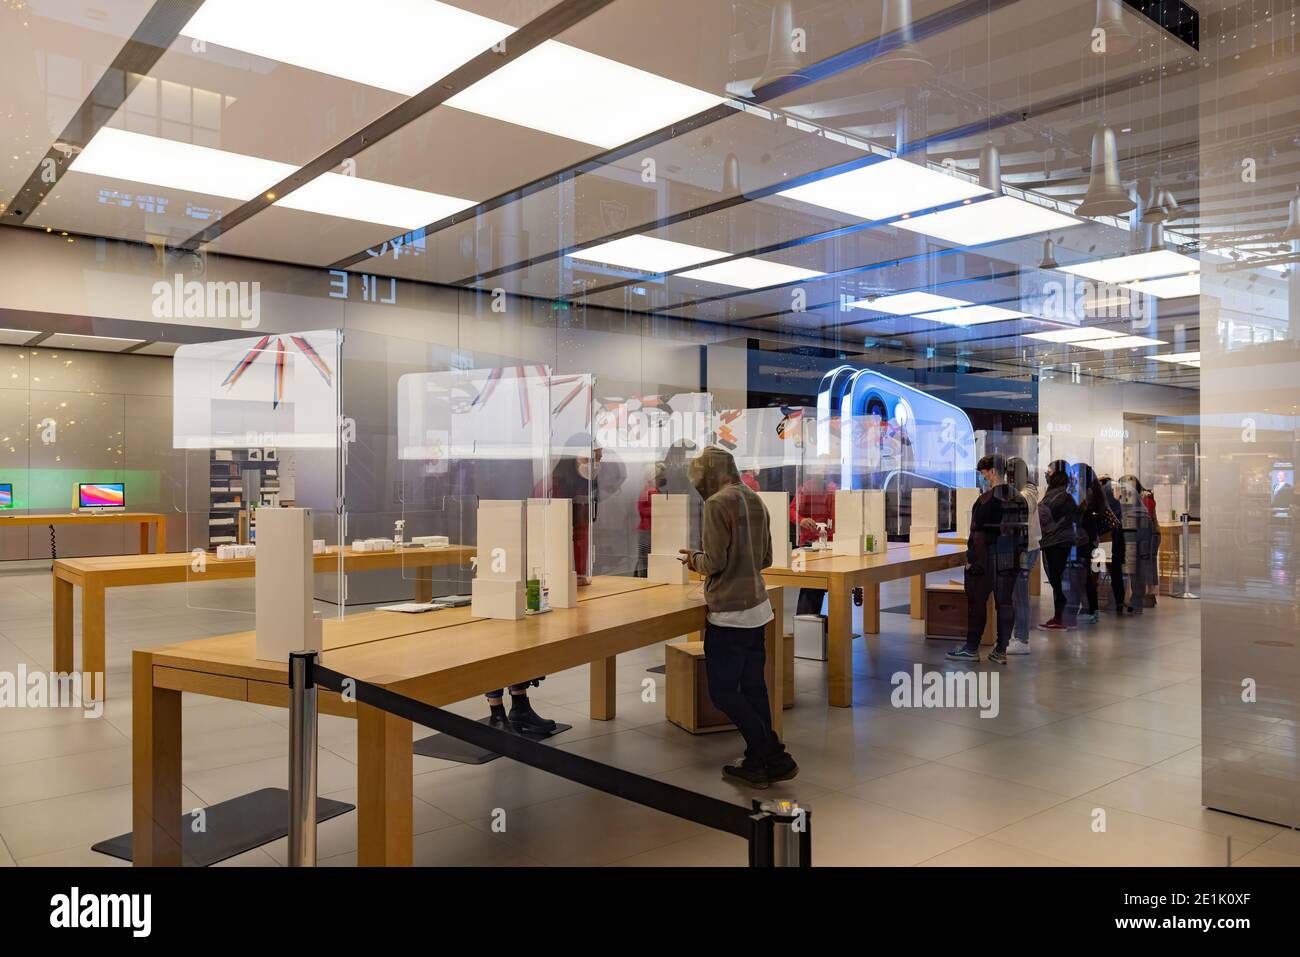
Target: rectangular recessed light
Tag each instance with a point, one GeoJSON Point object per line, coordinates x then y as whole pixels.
{"type": "Point", "coordinates": [1119, 342]}
{"type": "Point", "coordinates": [201, 169]}
{"type": "Point", "coordinates": [398, 45]}
{"type": "Point", "coordinates": [350, 197]}
{"type": "Point", "coordinates": [885, 189]}
{"type": "Point", "coordinates": [751, 273]}
{"type": "Point", "coordinates": [408, 45]}
{"type": "Point", "coordinates": [120, 154]}
{"type": "Point", "coordinates": [1082, 334]}
{"type": "Point", "coordinates": [648, 254]}
{"type": "Point", "coordinates": [69, 340]}
{"type": "Point", "coordinates": [909, 303]}
{"type": "Point", "coordinates": [972, 315]}
{"type": "Point", "coordinates": [989, 221]}
{"type": "Point", "coordinates": [1125, 269]}
{"type": "Point", "coordinates": [15, 337]}
{"type": "Point", "coordinates": [1183, 358]}
{"type": "Point", "coordinates": [1172, 287]}
{"type": "Point", "coordinates": [569, 92]}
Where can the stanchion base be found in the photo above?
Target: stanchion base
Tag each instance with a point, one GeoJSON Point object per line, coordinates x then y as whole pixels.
{"type": "Point", "coordinates": [446, 748]}
{"type": "Point", "coordinates": [232, 827]}
{"type": "Point", "coordinates": [1186, 595]}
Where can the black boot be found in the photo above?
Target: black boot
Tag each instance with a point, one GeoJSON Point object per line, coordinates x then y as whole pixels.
{"type": "Point", "coordinates": [524, 718]}
{"type": "Point", "coordinates": [497, 718]}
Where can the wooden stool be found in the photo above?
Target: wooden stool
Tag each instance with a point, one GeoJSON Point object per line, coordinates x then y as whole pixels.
{"type": "Point", "coordinates": [946, 614]}
{"type": "Point", "coordinates": [689, 705]}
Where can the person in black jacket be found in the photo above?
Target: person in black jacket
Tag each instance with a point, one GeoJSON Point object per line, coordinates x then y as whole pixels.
{"type": "Point", "coordinates": [1096, 519]}
{"type": "Point", "coordinates": [1057, 513]}
{"type": "Point", "coordinates": [992, 561]}
{"type": "Point", "coordinates": [1118, 544]}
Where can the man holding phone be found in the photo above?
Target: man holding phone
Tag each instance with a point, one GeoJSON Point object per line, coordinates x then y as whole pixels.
{"type": "Point", "coordinates": [737, 547]}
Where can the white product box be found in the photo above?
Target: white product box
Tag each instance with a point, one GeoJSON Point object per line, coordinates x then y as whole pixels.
{"type": "Point", "coordinates": [925, 507]}
{"type": "Point", "coordinates": [497, 598]}
{"type": "Point", "coordinates": [849, 529]}
{"type": "Point", "coordinates": [431, 541]}
{"type": "Point", "coordinates": [810, 637]}
{"type": "Point", "coordinates": [923, 535]}
{"type": "Point", "coordinates": [318, 546]}
{"type": "Point", "coordinates": [284, 584]}
{"type": "Point", "coordinates": [550, 549]}
{"type": "Point", "coordinates": [965, 503]}
{"type": "Point", "coordinates": [502, 540]}
{"type": "Point", "coordinates": [778, 520]}
{"type": "Point", "coordinates": [670, 531]}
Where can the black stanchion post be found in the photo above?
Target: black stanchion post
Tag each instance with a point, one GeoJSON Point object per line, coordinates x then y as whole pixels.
{"type": "Point", "coordinates": [782, 834]}
{"type": "Point", "coordinates": [760, 839]}
{"type": "Point", "coordinates": [302, 759]}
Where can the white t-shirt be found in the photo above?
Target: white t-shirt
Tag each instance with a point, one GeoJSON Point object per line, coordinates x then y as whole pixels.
{"type": "Point", "coordinates": [754, 617]}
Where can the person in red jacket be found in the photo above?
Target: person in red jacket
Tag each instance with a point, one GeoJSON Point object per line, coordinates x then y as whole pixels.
{"type": "Point", "coordinates": [813, 503]}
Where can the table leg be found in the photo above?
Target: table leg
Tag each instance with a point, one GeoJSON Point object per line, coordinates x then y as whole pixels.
{"type": "Point", "coordinates": [424, 584]}
{"type": "Point", "coordinates": [774, 662]}
{"type": "Point", "coordinates": [155, 768]}
{"type": "Point", "coordinates": [144, 538]}
{"type": "Point", "coordinates": [160, 536]}
{"type": "Point", "coordinates": [92, 637]}
{"type": "Point", "coordinates": [385, 802]}
{"type": "Point", "coordinates": [603, 674]}
{"type": "Point", "coordinates": [839, 642]}
{"type": "Point", "coordinates": [63, 649]}
{"type": "Point", "coordinates": [870, 608]}
{"type": "Point", "coordinates": [917, 606]}
{"type": "Point", "coordinates": [1036, 578]}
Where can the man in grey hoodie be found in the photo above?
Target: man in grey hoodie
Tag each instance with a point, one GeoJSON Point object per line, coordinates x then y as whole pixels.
{"type": "Point", "coordinates": [737, 547]}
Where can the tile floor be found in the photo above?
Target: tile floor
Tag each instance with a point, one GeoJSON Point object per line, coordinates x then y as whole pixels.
{"type": "Point", "coordinates": [1105, 718]}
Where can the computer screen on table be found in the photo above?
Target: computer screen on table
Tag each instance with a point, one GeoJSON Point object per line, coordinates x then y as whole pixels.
{"type": "Point", "coordinates": [101, 495]}
{"type": "Point", "coordinates": [6, 495]}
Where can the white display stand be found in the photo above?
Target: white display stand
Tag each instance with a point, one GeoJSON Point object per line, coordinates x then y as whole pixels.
{"type": "Point", "coordinates": [965, 503]}
{"type": "Point", "coordinates": [550, 548]}
{"type": "Point", "coordinates": [778, 519]}
{"type": "Point", "coordinates": [670, 530]}
{"type": "Point", "coordinates": [284, 584]}
{"type": "Point", "coordinates": [924, 529]}
{"type": "Point", "coordinates": [498, 587]}
{"type": "Point", "coordinates": [873, 522]}
{"type": "Point", "coordinates": [849, 530]}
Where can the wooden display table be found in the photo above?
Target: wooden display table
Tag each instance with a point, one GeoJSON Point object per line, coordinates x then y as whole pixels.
{"type": "Point", "coordinates": [439, 658]}
{"type": "Point", "coordinates": [839, 575]}
{"type": "Point", "coordinates": [94, 575]}
{"type": "Point", "coordinates": [143, 519]}
{"type": "Point", "coordinates": [1170, 556]}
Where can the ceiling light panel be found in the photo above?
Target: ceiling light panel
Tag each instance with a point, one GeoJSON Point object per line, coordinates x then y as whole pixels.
{"type": "Point", "coordinates": [751, 273]}
{"type": "Point", "coordinates": [68, 340]}
{"type": "Point", "coordinates": [972, 315]}
{"type": "Point", "coordinates": [1126, 269]}
{"type": "Point", "coordinates": [885, 189]}
{"type": "Point", "coordinates": [569, 92]}
{"type": "Point", "coordinates": [909, 303]}
{"type": "Point", "coordinates": [1183, 358]}
{"type": "Point", "coordinates": [200, 169]}
{"type": "Point", "coordinates": [990, 221]}
{"type": "Point", "coordinates": [16, 337]}
{"type": "Point", "coordinates": [399, 45]}
{"type": "Point", "coordinates": [648, 255]}
{"type": "Point", "coordinates": [1073, 335]}
{"type": "Point", "coordinates": [1172, 287]}
{"type": "Point", "coordinates": [1119, 342]}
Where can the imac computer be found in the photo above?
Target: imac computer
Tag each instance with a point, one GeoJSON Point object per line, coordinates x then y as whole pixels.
{"type": "Point", "coordinates": [6, 495]}
{"type": "Point", "coordinates": [101, 496]}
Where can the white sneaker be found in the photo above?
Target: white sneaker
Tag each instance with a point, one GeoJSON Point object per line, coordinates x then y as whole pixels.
{"type": "Point", "coordinates": [1018, 647]}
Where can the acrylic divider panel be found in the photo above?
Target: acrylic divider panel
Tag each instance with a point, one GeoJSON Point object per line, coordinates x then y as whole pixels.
{"type": "Point", "coordinates": [258, 423]}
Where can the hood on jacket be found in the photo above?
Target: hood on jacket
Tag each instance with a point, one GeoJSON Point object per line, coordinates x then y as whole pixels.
{"type": "Point", "coordinates": [713, 469]}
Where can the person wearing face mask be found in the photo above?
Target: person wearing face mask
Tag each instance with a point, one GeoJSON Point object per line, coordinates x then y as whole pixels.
{"type": "Point", "coordinates": [992, 560]}
{"type": "Point", "coordinates": [737, 544]}
{"type": "Point", "coordinates": [1056, 517]}
{"type": "Point", "coordinates": [813, 503]}
{"type": "Point", "coordinates": [1018, 479]}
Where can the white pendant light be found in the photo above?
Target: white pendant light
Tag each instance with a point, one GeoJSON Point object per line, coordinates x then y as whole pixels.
{"type": "Point", "coordinates": [904, 65]}
{"type": "Point", "coordinates": [1105, 197]}
{"type": "Point", "coordinates": [782, 60]}
{"type": "Point", "coordinates": [1049, 256]}
{"type": "Point", "coordinates": [1110, 20]}
{"type": "Point", "coordinates": [1292, 231]}
{"type": "Point", "coordinates": [991, 169]}
{"type": "Point", "coordinates": [731, 175]}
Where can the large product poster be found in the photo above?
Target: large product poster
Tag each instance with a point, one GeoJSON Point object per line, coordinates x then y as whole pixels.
{"type": "Point", "coordinates": [511, 412]}
{"type": "Point", "coordinates": [276, 391]}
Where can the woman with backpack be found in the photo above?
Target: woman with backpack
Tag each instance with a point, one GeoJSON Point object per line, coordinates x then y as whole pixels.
{"type": "Point", "coordinates": [1057, 513]}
